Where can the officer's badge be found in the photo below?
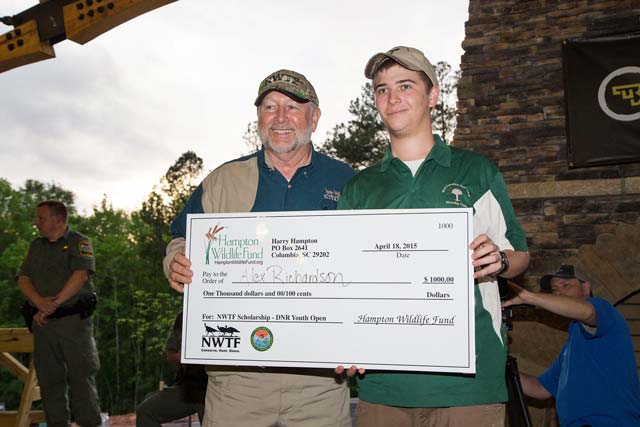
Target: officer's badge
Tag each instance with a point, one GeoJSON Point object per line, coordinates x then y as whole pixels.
{"type": "Point", "coordinates": [85, 248]}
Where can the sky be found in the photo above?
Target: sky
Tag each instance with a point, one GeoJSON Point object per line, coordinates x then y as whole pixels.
{"type": "Point", "coordinates": [110, 117]}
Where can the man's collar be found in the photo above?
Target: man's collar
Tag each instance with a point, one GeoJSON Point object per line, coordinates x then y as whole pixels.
{"type": "Point", "coordinates": [265, 161]}
{"type": "Point", "coordinates": [440, 153]}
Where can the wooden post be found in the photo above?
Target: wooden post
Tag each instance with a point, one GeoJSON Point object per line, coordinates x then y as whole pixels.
{"type": "Point", "coordinates": [20, 340]}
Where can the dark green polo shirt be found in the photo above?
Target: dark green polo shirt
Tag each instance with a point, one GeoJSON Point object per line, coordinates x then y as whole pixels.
{"type": "Point", "coordinates": [449, 177]}
{"type": "Point", "coordinates": [49, 264]}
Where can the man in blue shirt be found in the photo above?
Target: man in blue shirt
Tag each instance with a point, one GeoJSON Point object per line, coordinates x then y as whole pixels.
{"type": "Point", "coordinates": [287, 174]}
{"type": "Point", "coordinates": [594, 379]}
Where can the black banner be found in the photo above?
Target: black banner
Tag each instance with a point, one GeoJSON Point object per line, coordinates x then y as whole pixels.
{"type": "Point", "coordinates": [602, 96]}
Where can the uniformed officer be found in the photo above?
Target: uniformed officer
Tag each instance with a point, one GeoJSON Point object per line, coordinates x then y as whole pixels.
{"type": "Point", "coordinates": [55, 278]}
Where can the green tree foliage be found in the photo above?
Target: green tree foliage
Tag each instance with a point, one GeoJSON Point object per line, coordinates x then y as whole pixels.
{"type": "Point", "coordinates": [251, 138]}
{"type": "Point", "coordinates": [136, 305]}
{"type": "Point", "coordinates": [362, 141]}
{"type": "Point", "coordinates": [443, 116]}
{"type": "Point", "coordinates": [164, 203]}
{"type": "Point", "coordinates": [180, 180]}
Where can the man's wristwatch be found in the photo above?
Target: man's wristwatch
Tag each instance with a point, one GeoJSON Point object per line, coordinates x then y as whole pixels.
{"type": "Point", "coordinates": [504, 261]}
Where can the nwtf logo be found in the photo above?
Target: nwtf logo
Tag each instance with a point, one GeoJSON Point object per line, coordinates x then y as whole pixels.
{"type": "Point", "coordinates": [222, 338]}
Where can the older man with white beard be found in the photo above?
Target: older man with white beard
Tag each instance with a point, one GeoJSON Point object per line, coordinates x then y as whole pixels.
{"type": "Point", "coordinates": [287, 174]}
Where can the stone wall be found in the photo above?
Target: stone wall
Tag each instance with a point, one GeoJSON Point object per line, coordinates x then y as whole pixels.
{"type": "Point", "coordinates": [511, 109]}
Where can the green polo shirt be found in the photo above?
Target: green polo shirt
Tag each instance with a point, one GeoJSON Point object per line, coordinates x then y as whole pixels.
{"type": "Point", "coordinates": [449, 177]}
{"type": "Point", "coordinates": [49, 264]}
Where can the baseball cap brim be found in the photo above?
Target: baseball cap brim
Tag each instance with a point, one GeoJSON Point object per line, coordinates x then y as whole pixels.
{"type": "Point", "coordinates": [377, 60]}
{"type": "Point", "coordinates": [410, 58]}
{"type": "Point", "coordinates": [545, 282]}
{"type": "Point", "coordinates": [283, 91]}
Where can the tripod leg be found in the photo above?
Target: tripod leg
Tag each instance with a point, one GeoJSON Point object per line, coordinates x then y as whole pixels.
{"type": "Point", "coordinates": [517, 410]}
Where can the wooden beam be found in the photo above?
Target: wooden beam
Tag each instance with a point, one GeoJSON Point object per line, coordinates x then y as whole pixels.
{"type": "Point", "coordinates": [14, 366]}
{"type": "Point", "coordinates": [598, 267]}
{"type": "Point", "coordinates": [8, 418]}
{"type": "Point", "coordinates": [23, 46]}
{"type": "Point", "coordinates": [83, 23]}
{"type": "Point", "coordinates": [16, 340]}
{"type": "Point", "coordinates": [24, 410]}
{"type": "Point", "coordinates": [629, 311]}
{"type": "Point", "coordinates": [574, 188]}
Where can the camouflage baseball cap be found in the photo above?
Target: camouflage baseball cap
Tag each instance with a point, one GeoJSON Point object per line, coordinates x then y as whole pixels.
{"type": "Point", "coordinates": [292, 84]}
{"type": "Point", "coordinates": [409, 57]}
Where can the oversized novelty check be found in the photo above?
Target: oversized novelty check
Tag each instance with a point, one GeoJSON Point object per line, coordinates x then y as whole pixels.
{"type": "Point", "coordinates": [380, 289]}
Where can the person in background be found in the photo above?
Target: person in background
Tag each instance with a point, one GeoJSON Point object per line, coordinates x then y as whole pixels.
{"type": "Point", "coordinates": [55, 277]}
{"type": "Point", "coordinates": [186, 397]}
{"type": "Point", "coordinates": [595, 377]}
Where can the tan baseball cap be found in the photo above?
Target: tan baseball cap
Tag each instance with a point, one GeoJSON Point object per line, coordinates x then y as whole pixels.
{"type": "Point", "coordinates": [409, 57]}
{"type": "Point", "coordinates": [294, 85]}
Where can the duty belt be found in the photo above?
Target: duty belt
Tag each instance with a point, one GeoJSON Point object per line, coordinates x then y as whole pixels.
{"type": "Point", "coordinates": [84, 306]}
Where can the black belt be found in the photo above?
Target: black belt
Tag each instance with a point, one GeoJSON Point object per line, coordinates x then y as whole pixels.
{"type": "Point", "coordinates": [84, 306]}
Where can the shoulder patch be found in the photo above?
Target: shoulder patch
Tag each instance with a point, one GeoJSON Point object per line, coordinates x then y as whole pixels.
{"type": "Point", "coordinates": [85, 248]}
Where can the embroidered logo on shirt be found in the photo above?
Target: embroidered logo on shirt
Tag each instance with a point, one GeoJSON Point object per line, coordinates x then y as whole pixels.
{"type": "Point", "coordinates": [332, 195]}
{"type": "Point", "coordinates": [85, 248]}
{"type": "Point", "coordinates": [457, 195]}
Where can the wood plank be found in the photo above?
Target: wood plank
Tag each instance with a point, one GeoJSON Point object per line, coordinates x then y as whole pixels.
{"type": "Point", "coordinates": [629, 311]}
{"type": "Point", "coordinates": [24, 410]}
{"type": "Point", "coordinates": [634, 327]}
{"type": "Point", "coordinates": [16, 340]}
{"type": "Point", "coordinates": [634, 299]}
{"type": "Point", "coordinates": [14, 366]}
{"type": "Point", "coordinates": [599, 268]}
{"type": "Point", "coordinates": [8, 418]}
{"type": "Point", "coordinates": [636, 343]}
{"type": "Point", "coordinates": [36, 417]}
{"type": "Point", "coordinates": [613, 247]}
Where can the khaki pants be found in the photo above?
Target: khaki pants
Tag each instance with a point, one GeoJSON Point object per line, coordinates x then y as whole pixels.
{"type": "Point", "coordinates": [373, 415]}
{"type": "Point", "coordinates": [253, 398]}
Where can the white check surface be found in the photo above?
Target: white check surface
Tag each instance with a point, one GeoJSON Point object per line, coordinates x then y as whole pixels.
{"type": "Point", "coordinates": [387, 289]}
